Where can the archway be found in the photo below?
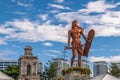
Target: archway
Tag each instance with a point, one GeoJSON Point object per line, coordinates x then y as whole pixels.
{"type": "Point", "coordinates": [28, 69]}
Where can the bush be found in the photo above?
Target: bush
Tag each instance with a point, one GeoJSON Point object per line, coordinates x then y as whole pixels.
{"type": "Point", "coordinates": [81, 70]}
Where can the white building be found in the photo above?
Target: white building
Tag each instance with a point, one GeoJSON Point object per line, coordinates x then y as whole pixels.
{"type": "Point", "coordinates": [100, 68]}
{"type": "Point", "coordinates": [118, 65]}
{"type": "Point", "coordinates": [84, 64]}
{"type": "Point", "coordinates": [105, 77]}
{"type": "Point", "coordinates": [62, 64]}
{"type": "Point", "coordinates": [6, 63]}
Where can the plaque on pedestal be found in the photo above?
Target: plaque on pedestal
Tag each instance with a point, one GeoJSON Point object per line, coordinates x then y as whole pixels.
{"type": "Point", "coordinates": [76, 73]}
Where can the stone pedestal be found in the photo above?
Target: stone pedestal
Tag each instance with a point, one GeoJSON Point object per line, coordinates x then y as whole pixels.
{"type": "Point", "coordinates": [76, 73]}
{"type": "Point", "coordinates": [28, 78]}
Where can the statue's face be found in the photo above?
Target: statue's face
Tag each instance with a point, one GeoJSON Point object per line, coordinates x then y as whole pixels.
{"type": "Point", "coordinates": [75, 24]}
{"type": "Point", "coordinates": [28, 51]}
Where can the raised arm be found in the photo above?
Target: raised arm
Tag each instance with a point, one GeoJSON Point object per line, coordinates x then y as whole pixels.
{"type": "Point", "coordinates": [69, 36]}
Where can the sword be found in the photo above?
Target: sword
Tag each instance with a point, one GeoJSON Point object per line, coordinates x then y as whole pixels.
{"type": "Point", "coordinates": [66, 47]}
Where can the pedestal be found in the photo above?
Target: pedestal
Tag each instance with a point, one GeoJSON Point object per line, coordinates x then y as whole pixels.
{"type": "Point", "coordinates": [28, 78]}
{"type": "Point", "coordinates": [76, 73]}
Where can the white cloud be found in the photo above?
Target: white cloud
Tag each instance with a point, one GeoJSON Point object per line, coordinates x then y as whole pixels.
{"type": "Point", "coordinates": [54, 11]}
{"type": "Point", "coordinates": [43, 16]}
{"type": "Point", "coordinates": [104, 24]}
{"type": "Point", "coordinates": [4, 30]}
{"type": "Point", "coordinates": [3, 42]}
{"type": "Point", "coordinates": [54, 51]}
{"type": "Point", "coordinates": [51, 55]}
{"type": "Point", "coordinates": [25, 30]}
{"type": "Point", "coordinates": [102, 49]}
{"type": "Point", "coordinates": [15, 46]}
{"type": "Point", "coordinates": [117, 4]}
{"type": "Point", "coordinates": [58, 6]}
{"type": "Point", "coordinates": [53, 33]}
{"type": "Point", "coordinates": [111, 17]}
{"type": "Point", "coordinates": [23, 4]}
{"type": "Point", "coordinates": [116, 50]}
{"type": "Point", "coordinates": [13, 0]}
{"type": "Point", "coordinates": [47, 44]}
{"type": "Point", "coordinates": [98, 6]}
{"type": "Point", "coordinates": [94, 50]}
{"type": "Point", "coordinates": [106, 30]}
{"type": "Point", "coordinates": [20, 13]}
{"type": "Point", "coordinates": [24, 25]}
{"type": "Point", "coordinates": [70, 16]}
{"type": "Point", "coordinates": [107, 59]}
{"type": "Point", "coordinates": [59, 1]}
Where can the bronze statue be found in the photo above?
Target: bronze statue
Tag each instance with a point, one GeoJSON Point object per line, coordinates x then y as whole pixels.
{"type": "Point", "coordinates": [75, 32]}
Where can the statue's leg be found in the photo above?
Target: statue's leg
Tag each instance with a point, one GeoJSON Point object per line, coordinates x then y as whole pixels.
{"type": "Point", "coordinates": [80, 52]}
{"type": "Point", "coordinates": [73, 56]}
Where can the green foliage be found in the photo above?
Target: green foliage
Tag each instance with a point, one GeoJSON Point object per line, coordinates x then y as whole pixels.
{"type": "Point", "coordinates": [115, 71]}
{"type": "Point", "coordinates": [82, 70]}
{"type": "Point", "coordinates": [12, 71]}
{"type": "Point", "coordinates": [51, 70]}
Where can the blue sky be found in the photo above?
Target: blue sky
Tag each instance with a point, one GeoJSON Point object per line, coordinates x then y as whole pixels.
{"type": "Point", "coordinates": [43, 24]}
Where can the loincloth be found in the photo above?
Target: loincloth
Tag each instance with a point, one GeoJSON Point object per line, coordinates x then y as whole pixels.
{"type": "Point", "coordinates": [76, 44]}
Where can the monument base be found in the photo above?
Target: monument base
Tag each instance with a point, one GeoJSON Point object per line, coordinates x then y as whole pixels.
{"type": "Point", "coordinates": [28, 78]}
{"type": "Point", "coordinates": [76, 73]}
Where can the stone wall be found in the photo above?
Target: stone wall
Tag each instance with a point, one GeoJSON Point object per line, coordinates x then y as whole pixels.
{"type": "Point", "coordinates": [76, 75]}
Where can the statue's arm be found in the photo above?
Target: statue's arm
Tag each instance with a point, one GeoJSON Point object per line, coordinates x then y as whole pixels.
{"type": "Point", "coordinates": [69, 36]}
{"type": "Point", "coordinates": [82, 32]}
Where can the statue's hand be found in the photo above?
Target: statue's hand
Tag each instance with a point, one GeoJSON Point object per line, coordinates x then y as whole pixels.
{"type": "Point", "coordinates": [68, 46]}
{"type": "Point", "coordinates": [89, 40]}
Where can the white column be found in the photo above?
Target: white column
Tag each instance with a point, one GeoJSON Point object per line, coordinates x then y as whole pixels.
{"type": "Point", "coordinates": [36, 68]}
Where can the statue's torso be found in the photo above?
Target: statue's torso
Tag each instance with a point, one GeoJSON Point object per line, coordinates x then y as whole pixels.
{"type": "Point", "coordinates": [75, 34]}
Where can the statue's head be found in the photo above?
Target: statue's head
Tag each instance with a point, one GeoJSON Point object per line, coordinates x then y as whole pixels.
{"type": "Point", "coordinates": [74, 23]}
{"type": "Point", "coordinates": [28, 50]}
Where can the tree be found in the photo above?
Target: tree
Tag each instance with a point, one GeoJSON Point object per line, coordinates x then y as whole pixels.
{"type": "Point", "coordinates": [12, 71]}
{"type": "Point", "coordinates": [51, 70]}
{"type": "Point", "coordinates": [115, 71]}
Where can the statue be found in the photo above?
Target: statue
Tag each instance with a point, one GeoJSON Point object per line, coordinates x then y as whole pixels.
{"type": "Point", "coordinates": [75, 33]}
